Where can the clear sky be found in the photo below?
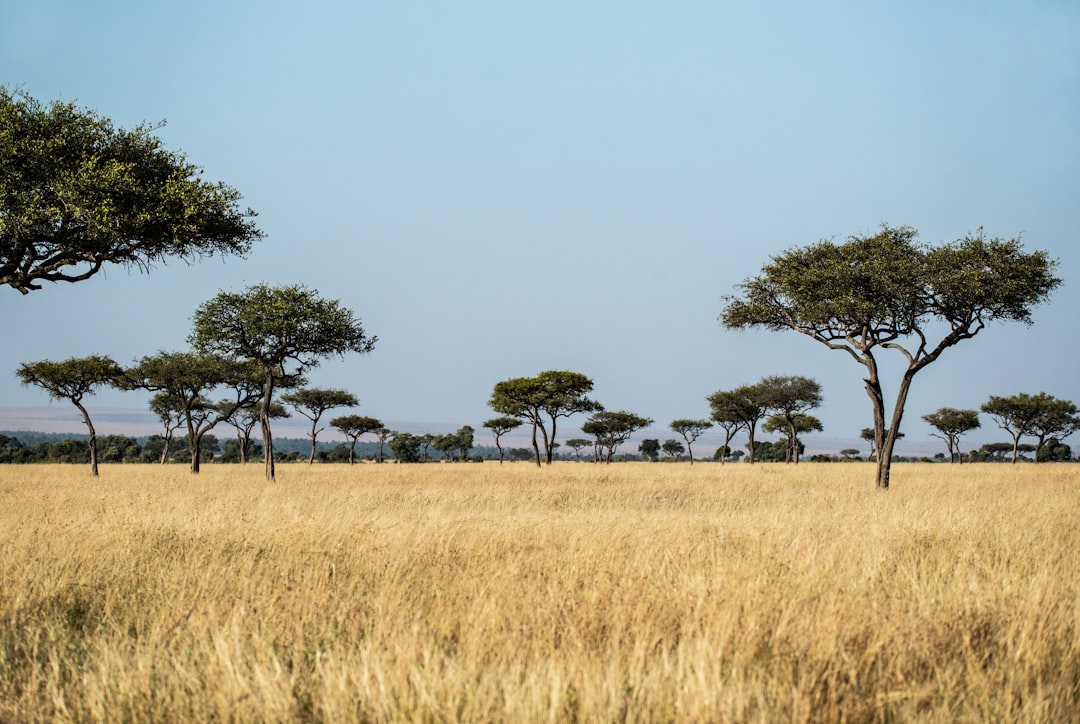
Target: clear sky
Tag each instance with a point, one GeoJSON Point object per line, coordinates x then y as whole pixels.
{"type": "Point", "coordinates": [501, 188]}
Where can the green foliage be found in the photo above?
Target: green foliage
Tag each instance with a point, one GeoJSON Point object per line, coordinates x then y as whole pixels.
{"type": "Point", "coordinates": [285, 330]}
{"type": "Point", "coordinates": [672, 448]}
{"type": "Point", "coordinates": [650, 449]}
{"type": "Point", "coordinates": [542, 400]}
{"type": "Point", "coordinates": [690, 430]}
{"type": "Point", "coordinates": [950, 424]}
{"type": "Point", "coordinates": [354, 427]}
{"type": "Point", "coordinates": [887, 291]}
{"type": "Point", "coordinates": [611, 429]}
{"type": "Point", "coordinates": [313, 402]}
{"type": "Point", "coordinates": [76, 193]}
{"type": "Point", "coordinates": [72, 380]}
{"type": "Point", "coordinates": [1041, 416]}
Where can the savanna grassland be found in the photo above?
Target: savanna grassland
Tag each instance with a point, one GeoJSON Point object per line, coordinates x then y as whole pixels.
{"type": "Point", "coordinates": [467, 592]}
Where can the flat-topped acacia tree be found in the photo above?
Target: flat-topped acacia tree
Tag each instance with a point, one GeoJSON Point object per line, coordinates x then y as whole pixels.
{"type": "Point", "coordinates": [77, 193]}
{"type": "Point", "coordinates": [285, 330]}
{"type": "Point", "coordinates": [888, 291]}
{"type": "Point", "coordinates": [73, 379]}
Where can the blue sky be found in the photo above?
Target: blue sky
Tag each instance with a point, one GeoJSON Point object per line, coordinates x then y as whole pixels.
{"type": "Point", "coordinates": [502, 188]}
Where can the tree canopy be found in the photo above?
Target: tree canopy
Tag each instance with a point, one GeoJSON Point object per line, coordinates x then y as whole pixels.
{"type": "Point", "coordinates": [313, 402]}
{"type": "Point", "coordinates": [77, 193]}
{"type": "Point", "coordinates": [950, 424]}
{"type": "Point", "coordinates": [284, 329]}
{"type": "Point", "coordinates": [612, 428]}
{"type": "Point", "coordinates": [73, 379]}
{"type": "Point", "coordinates": [690, 430]}
{"type": "Point", "coordinates": [551, 395]}
{"type": "Point", "coordinates": [889, 291]}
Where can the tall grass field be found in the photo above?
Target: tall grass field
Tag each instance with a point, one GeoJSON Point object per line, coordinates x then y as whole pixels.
{"type": "Point", "coordinates": [576, 592]}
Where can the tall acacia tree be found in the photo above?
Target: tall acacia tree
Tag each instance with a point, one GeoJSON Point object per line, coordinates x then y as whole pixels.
{"type": "Point", "coordinates": [690, 430]}
{"type": "Point", "coordinates": [73, 379]}
{"type": "Point", "coordinates": [888, 291]}
{"type": "Point", "coordinates": [77, 193]}
{"type": "Point", "coordinates": [284, 330]}
{"type": "Point", "coordinates": [950, 424]}
{"type": "Point", "coordinates": [551, 395]}
{"type": "Point", "coordinates": [313, 402]}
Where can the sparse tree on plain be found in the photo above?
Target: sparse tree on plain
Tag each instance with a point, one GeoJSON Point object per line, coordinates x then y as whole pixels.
{"type": "Point", "coordinates": [499, 426]}
{"type": "Point", "coordinates": [354, 427]}
{"type": "Point", "coordinates": [887, 291]}
{"type": "Point", "coordinates": [284, 330]}
{"type": "Point", "coordinates": [611, 429]}
{"type": "Point", "coordinates": [950, 424]}
{"type": "Point", "coordinates": [313, 403]}
{"type": "Point", "coordinates": [691, 430]}
{"type": "Point", "coordinates": [73, 379]}
{"type": "Point", "coordinates": [551, 395]}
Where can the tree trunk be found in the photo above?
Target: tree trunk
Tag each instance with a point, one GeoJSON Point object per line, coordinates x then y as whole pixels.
{"type": "Point", "coordinates": [536, 447]}
{"type": "Point", "coordinates": [93, 438]}
{"type": "Point", "coordinates": [194, 445]}
{"type": "Point", "coordinates": [264, 423]}
{"type": "Point", "coordinates": [314, 434]}
{"type": "Point", "coordinates": [886, 451]}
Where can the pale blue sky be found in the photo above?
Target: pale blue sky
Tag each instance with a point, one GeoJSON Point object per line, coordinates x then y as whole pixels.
{"type": "Point", "coordinates": [502, 188]}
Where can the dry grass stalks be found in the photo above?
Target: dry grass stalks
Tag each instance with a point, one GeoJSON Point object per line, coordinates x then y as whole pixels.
{"type": "Point", "coordinates": [506, 593]}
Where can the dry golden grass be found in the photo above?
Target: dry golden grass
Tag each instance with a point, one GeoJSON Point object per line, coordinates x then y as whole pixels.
{"type": "Point", "coordinates": [507, 593]}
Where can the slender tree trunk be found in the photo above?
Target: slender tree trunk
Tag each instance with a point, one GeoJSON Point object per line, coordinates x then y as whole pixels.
{"type": "Point", "coordinates": [168, 444]}
{"type": "Point", "coordinates": [93, 438]}
{"type": "Point", "coordinates": [536, 447]}
{"type": "Point", "coordinates": [352, 452]}
{"type": "Point", "coordinates": [314, 434]}
{"type": "Point", "coordinates": [264, 423]}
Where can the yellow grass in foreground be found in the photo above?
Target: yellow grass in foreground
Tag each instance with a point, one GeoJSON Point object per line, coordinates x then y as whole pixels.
{"type": "Point", "coordinates": [507, 593]}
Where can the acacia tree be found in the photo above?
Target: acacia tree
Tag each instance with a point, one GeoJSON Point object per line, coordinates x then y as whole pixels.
{"type": "Point", "coordinates": [690, 430]}
{"type": "Point", "coordinates": [77, 193]}
{"type": "Point", "coordinates": [1057, 419]}
{"type": "Point", "coordinates": [72, 380]}
{"type": "Point", "coordinates": [577, 444]}
{"type": "Point", "coordinates": [724, 415]}
{"type": "Point", "coordinates": [313, 402]}
{"type": "Point", "coordinates": [611, 429]}
{"type": "Point", "coordinates": [187, 379]}
{"type": "Point", "coordinates": [673, 448]}
{"type": "Point", "coordinates": [792, 427]}
{"type": "Point", "coordinates": [950, 424]}
{"type": "Point", "coordinates": [169, 410]}
{"type": "Point", "coordinates": [1041, 415]}
{"type": "Point", "coordinates": [283, 330]}
{"type": "Point", "coordinates": [740, 408]}
{"type": "Point", "coordinates": [887, 291]}
{"type": "Point", "coordinates": [554, 394]}
{"type": "Point", "coordinates": [499, 426]}
{"type": "Point", "coordinates": [354, 427]}
{"type": "Point", "coordinates": [790, 396]}
{"type": "Point", "coordinates": [1015, 415]}
{"type": "Point", "coordinates": [245, 418]}
{"type": "Point", "coordinates": [384, 435]}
